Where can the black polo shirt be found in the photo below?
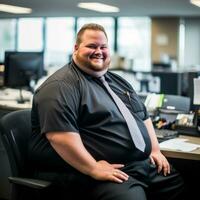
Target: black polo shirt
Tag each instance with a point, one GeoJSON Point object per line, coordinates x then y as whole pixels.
{"type": "Point", "coordinates": [72, 101]}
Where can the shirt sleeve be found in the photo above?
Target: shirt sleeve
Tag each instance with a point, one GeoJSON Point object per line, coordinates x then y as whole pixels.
{"type": "Point", "coordinates": [57, 105]}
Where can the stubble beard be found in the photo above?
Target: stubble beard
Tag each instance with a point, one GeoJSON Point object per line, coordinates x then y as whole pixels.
{"type": "Point", "coordinates": [95, 66]}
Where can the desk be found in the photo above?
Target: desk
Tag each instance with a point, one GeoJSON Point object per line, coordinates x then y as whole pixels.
{"type": "Point", "coordinates": [188, 165]}
{"type": "Point", "coordinates": [193, 155]}
{"type": "Point", "coordinates": [14, 105]}
{"type": "Point", "coordinates": [8, 100]}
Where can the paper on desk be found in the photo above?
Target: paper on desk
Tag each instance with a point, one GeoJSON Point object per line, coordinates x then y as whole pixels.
{"type": "Point", "coordinates": [180, 144]}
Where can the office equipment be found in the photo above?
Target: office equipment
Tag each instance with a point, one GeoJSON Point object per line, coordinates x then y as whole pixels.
{"type": "Point", "coordinates": [167, 112]}
{"type": "Point", "coordinates": [185, 119]}
{"type": "Point", "coordinates": [174, 110]}
{"type": "Point", "coordinates": [165, 134]}
{"type": "Point", "coordinates": [168, 103]}
{"type": "Point", "coordinates": [170, 82]}
{"type": "Point", "coordinates": [187, 123]}
{"type": "Point", "coordinates": [153, 101]}
{"type": "Point", "coordinates": [173, 105]}
{"type": "Point", "coordinates": [176, 103]}
{"type": "Point", "coordinates": [23, 70]}
{"type": "Point", "coordinates": [15, 129]}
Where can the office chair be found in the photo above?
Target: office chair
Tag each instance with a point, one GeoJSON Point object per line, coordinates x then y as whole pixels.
{"type": "Point", "coordinates": [15, 129]}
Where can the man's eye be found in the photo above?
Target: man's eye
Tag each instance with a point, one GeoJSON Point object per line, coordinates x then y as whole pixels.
{"type": "Point", "coordinates": [92, 46]}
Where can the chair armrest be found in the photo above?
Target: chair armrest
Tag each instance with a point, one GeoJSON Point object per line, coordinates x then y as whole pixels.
{"type": "Point", "coordinates": [32, 183]}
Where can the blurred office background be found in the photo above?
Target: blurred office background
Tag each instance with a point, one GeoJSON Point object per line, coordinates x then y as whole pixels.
{"type": "Point", "coordinates": [143, 33]}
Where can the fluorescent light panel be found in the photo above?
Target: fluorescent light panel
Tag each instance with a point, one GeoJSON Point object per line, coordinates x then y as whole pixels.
{"type": "Point", "coordinates": [100, 7]}
{"type": "Point", "coordinates": [14, 9]}
{"type": "Point", "coordinates": [195, 2]}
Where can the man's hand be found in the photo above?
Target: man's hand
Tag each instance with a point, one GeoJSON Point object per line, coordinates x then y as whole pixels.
{"type": "Point", "coordinates": [158, 159]}
{"type": "Point", "coordinates": [105, 171]}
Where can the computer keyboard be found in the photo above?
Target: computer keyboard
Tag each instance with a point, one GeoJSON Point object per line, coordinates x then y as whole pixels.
{"type": "Point", "coordinates": [165, 134]}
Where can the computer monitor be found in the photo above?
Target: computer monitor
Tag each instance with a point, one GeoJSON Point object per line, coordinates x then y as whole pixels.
{"type": "Point", "coordinates": [22, 69]}
{"type": "Point", "coordinates": [170, 82]}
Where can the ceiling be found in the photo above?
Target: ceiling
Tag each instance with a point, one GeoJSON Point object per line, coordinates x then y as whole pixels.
{"type": "Point", "coordinates": [127, 8]}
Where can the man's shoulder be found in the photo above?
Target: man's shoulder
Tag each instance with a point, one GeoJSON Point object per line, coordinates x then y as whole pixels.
{"type": "Point", "coordinates": [65, 76]}
{"type": "Point", "coordinates": [64, 73]}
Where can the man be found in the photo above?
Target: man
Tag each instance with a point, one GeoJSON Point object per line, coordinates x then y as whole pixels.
{"type": "Point", "coordinates": [80, 133]}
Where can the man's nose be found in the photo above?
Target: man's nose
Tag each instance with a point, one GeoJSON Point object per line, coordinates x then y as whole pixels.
{"type": "Point", "coordinates": [98, 50]}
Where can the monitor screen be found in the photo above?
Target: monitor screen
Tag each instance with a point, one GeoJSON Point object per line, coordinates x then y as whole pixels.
{"type": "Point", "coordinates": [22, 67]}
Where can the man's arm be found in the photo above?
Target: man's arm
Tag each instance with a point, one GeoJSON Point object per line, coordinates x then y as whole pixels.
{"type": "Point", "coordinates": [70, 147]}
{"type": "Point", "coordinates": [156, 156]}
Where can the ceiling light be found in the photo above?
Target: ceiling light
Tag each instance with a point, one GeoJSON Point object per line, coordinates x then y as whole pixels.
{"type": "Point", "coordinates": [14, 9]}
{"type": "Point", "coordinates": [98, 7]}
{"type": "Point", "coordinates": [195, 2]}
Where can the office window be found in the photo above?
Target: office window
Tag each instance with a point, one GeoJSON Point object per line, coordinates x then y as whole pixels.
{"type": "Point", "coordinates": [60, 38]}
{"type": "Point", "coordinates": [30, 37]}
{"type": "Point", "coordinates": [7, 36]}
{"type": "Point", "coordinates": [134, 35]}
{"type": "Point", "coordinates": [192, 44]}
{"type": "Point", "coordinates": [106, 22]}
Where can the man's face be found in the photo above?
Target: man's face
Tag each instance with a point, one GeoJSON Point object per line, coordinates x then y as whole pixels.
{"type": "Point", "coordinates": [93, 51]}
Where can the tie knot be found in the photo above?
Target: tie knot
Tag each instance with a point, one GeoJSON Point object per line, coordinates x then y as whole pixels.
{"type": "Point", "coordinates": [102, 79]}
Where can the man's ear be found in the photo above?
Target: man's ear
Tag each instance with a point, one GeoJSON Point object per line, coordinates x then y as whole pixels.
{"type": "Point", "coordinates": [76, 47]}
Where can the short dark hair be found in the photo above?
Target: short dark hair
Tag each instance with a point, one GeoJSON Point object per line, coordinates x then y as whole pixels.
{"type": "Point", "coordinates": [90, 26]}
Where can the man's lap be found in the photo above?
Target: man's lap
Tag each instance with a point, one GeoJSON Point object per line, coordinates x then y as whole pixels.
{"type": "Point", "coordinates": [143, 177]}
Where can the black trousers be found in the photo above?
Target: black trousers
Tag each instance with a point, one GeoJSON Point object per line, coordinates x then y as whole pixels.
{"type": "Point", "coordinates": [144, 183]}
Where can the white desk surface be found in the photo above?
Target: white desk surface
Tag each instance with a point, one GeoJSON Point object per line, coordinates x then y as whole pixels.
{"type": "Point", "coordinates": [8, 99]}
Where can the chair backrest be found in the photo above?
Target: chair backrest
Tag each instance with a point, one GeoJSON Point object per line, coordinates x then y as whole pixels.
{"type": "Point", "coordinates": [15, 129]}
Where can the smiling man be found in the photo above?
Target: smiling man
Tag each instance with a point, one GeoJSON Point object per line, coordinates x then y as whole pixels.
{"type": "Point", "coordinates": [81, 135]}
